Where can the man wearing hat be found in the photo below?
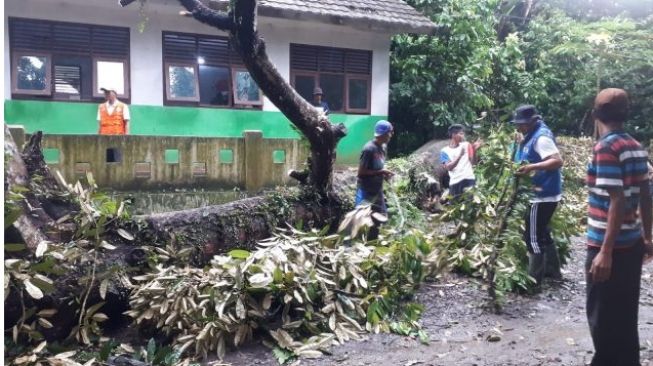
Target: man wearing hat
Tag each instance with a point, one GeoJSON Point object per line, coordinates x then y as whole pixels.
{"type": "Point", "coordinates": [318, 102]}
{"type": "Point", "coordinates": [372, 172]}
{"type": "Point", "coordinates": [112, 115]}
{"type": "Point", "coordinates": [541, 161]}
{"type": "Point", "coordinates": [618, 233]}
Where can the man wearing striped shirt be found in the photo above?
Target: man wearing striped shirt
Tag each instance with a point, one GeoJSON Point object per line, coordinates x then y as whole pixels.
{"type": "Point", "coordinates": [618, 235]}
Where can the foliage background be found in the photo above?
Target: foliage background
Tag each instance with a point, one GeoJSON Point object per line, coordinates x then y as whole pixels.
{"type": "Point", "coordinates": [490, 56]}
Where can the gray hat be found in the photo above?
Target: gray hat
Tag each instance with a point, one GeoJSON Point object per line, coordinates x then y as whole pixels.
{"type": "Point", "coordinates": [524, 114]}
{"type": "Point", "coordinates": [317, 91]}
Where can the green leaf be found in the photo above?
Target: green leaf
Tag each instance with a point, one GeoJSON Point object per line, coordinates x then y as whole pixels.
{"type": "Point", "coordinates": [282, 355]}
{"type": "Point", "coordinates": [277, 275]}
{"type": "Point", "coordinates": [171, 358]}
{"type": "Point", "coordinates": [46, 287]}
{"type": "Point", "coordinates": [15, 247]}
{"type": "Point", "coordinates": [107, 348]}
{"type": "Point", "coordinates": [423, 336]}
{"type": "Point", "coordinates": [151, 350]}
{"type": "Point", "coordinates": [239, 254]}
{"type": "Point", "coordinates": [11, 217]}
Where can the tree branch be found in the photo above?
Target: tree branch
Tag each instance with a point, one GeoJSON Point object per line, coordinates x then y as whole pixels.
{"type": "Point", "coordinates": [208, 16]}
{"type": "Point", "coordinates": [313, 125]}
{"type": "Point", "coordinates": [252, 48]}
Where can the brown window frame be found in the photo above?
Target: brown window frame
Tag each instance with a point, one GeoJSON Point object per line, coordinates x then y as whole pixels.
{"type": "Point", "coordinates": [195, 68]}
{"type": "Point", "coordinates": [294, 72]}
{"type": "Point", "coordinates": [258, 102]}
{"type": "Point", "coordinates": [367, 78]}
{"type": "Point", "coordinates": [53, 53]}
{"type": "Point", "coordinates": [230, 64]}
{"type": "Point", "coordinates": [16, 55]}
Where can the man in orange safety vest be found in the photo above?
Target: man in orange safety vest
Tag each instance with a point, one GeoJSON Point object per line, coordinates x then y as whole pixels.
{"type": "Point", "coordinates": [112, 115]}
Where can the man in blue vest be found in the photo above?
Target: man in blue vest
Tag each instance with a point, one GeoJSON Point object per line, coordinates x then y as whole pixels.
{"type": "Point", "coordinates": [541, 161]}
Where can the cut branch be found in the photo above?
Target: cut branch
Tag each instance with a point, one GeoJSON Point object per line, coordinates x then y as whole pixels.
{"type": "Point", "coordinates": [208, 16]}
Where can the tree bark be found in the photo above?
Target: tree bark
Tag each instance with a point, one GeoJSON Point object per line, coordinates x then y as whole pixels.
{"type": "Point", "coordinates": [239, 224]}
{"type": "Point", "coordinates": [323, 137]}
{"type": "Point", "coordinates": [33, 222]}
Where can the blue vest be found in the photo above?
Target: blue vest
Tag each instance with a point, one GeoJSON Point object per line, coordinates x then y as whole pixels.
{"type": "Point", "coordinates": [547, 183]}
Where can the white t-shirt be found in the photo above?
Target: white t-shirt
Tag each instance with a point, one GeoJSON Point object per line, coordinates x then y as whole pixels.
{"type": "Point", "coordinates": [111, 107]}
{"type": "Point", "coordinates": [545, 147]}
{"type": "Point", "coordinates": [464, 168]}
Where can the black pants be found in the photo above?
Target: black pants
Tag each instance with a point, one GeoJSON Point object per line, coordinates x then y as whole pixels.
{"type": "Point", "coordinates": [457, 189]}
{"type": "Point", "coordinates": [612, 308]}
{"type": "Point", "coordinates": [538, 233]}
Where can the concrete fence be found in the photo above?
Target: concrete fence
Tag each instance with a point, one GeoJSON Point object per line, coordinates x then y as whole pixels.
{"type": "Point", "coordinates": [137, 162]}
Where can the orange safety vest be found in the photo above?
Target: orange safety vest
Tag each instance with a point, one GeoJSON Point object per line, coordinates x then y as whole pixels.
{"type": "Point", "coordinates": [112, 124]}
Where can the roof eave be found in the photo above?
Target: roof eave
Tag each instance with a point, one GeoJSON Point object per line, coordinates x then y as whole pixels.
{"type": "Point", "coordinates": [357, 22]}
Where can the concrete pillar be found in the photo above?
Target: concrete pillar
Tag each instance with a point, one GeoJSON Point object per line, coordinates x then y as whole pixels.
{"type": "Point", "coordinates": [254, 165]}
{"type": "Point", "coordinates": [18, 133]}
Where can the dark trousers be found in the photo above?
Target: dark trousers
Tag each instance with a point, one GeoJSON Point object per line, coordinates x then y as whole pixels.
{"type": "Point", "coordinates": [538, 233]}
{"type": "Point", "coordinates": [612, 308]}
{"type": "Point", "coordinates": [457, 189]}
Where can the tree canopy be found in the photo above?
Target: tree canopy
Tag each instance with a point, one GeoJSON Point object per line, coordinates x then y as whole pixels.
{"type": "Point", "coordinates": [492, 55]}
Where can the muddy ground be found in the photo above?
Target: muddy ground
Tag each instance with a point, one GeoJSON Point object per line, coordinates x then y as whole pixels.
{"type": "Point", "coordinates": [545, 329]}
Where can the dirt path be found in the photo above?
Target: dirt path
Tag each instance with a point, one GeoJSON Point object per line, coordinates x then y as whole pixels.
{"type": "Point", "coordinates": [547, 329]}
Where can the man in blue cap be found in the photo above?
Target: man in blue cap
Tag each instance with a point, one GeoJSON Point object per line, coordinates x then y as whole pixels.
{"type": "Point", "coordinates": [541, 160]}
{"type": "Point", "coordinates": [372, 172]}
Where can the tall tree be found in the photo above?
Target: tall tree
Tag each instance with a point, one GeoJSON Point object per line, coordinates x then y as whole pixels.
{"type": "Point", "coordinates": [240, 21]}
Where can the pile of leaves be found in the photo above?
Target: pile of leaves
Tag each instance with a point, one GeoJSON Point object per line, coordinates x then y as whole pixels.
{"type": "Point", "coordinates": [306, 290]}
{"type": "Point", "coordinates": [60, 277]}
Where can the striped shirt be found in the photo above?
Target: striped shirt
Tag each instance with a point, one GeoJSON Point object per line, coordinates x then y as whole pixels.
{"type": "Point", "coordinates": [618, 161]}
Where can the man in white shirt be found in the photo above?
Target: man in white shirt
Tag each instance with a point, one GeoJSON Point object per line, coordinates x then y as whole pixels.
{"type": "Point", "coordinates": [458, 159]}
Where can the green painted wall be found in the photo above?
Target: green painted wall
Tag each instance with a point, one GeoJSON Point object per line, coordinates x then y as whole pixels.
{"type": "Point", "coordinates": [80, 118]}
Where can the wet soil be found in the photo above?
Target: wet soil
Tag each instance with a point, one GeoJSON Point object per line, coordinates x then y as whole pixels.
{"type": "Point", "coordinates": [545, 329]}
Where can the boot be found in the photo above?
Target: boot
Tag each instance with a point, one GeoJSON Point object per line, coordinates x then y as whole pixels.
{"type": "Point", "coordinates": [552, 263]}
{"type": "Point", "coordinates": [536, 267]}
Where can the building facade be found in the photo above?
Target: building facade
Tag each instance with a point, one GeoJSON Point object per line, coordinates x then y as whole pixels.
{"type": "Point", "coordinates": [182, 78]}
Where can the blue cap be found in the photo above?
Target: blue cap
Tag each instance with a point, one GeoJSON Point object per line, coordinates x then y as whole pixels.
{"type": "Point", "coordinates": [382, 127]}
{"type": "Point", "coordinates": [524, 114]}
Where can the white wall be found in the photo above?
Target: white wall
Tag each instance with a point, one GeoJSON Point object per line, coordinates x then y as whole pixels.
{"type": "Point", "coordinates": [146, 48]}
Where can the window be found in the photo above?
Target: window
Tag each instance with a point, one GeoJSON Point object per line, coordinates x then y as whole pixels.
{"type": "Point", "coordinates": [113, 155]}
{"type": "Point", "coordinates": [67, 61]}
{"type": "Point", "coordinates": [110, 72]}
{"type": "Point", "coordinates": [344, 76]}
{"type": "Point", "coordinates": [206, 71]}
{"type": "Point", "coordinates": [31, 74]}
{"type": "Point", "coordinates": [181, 82]}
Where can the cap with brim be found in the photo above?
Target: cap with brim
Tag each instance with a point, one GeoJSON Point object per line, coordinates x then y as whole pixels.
{"type": "Point", "coordinates": [106, 90]}
{"type": "Point", "coordinates": [524, 114]}
{"type": "Point", "coordinates": [382, 127]}
{"type": "Point", "coordinates": [317, 91]}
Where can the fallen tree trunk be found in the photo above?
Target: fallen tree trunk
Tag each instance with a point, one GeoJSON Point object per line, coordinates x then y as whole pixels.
{"type": "Point", "coordinates": [44, 212]}
{"type": "Point", "coordinates": [31, 222]}
{"type": "Point", "coordinates": [239, 224]}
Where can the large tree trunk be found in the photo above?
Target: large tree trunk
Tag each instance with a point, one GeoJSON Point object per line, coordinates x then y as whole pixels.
{"type": "Point", "coordinates": [323, 137]}
{"type": "Point", "coordinates": [33, 222]}
{"type": "Point", "coordinates": [46, 212]}
{"type": "Point", "coordinates": [239, 224]}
